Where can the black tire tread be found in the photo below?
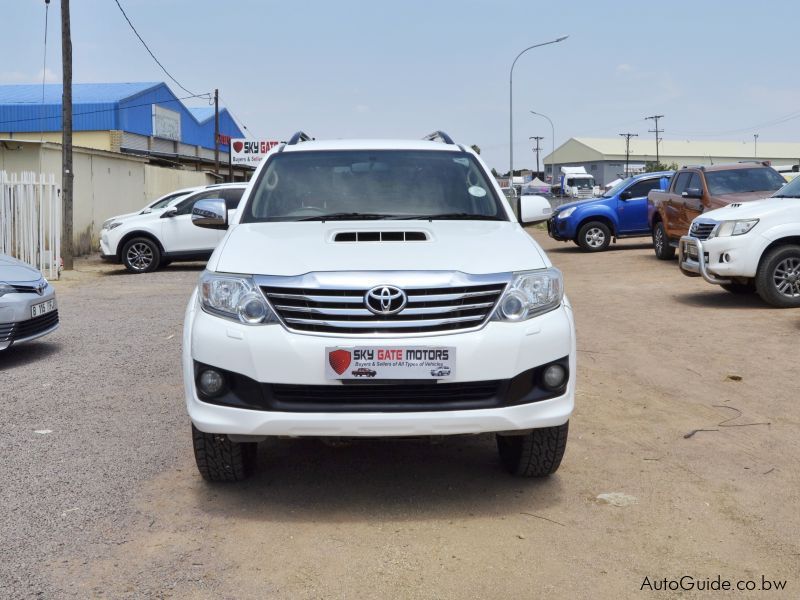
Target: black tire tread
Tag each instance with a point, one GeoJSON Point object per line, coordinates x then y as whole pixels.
{"type": "Point", "coordinates": [667, 252]}
{"type": "Point", "coordinates": [535, 454]}
{"type": "Point", "coordinates": [220, 459]}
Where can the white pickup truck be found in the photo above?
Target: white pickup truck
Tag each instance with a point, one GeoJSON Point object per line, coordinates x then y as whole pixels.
{"type": "Point", "coordinates": [746, 247]}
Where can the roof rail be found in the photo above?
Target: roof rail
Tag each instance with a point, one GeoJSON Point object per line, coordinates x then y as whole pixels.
{"type": "Point", "coordinates": [300, 136]}
{"type": "Point", "coordinates": [441, 135]}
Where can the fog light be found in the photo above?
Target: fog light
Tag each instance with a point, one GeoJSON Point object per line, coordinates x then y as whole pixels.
{"type": "Point", "coordinates": [726, 257]}
{"type": "Point", "coordinates": [211, 382]}
{"type": "Point", "coordinates": [554, 376]}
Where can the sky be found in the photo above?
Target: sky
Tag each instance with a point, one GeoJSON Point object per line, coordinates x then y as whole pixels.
{"type": "Point", "coordinates": [717, 70]}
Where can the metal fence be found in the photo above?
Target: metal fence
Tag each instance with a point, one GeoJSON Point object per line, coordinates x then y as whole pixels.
{"type": "Point", "coordinates": [30, 220]}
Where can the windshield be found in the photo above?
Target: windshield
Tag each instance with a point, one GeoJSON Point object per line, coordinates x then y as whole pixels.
{"type": "Point", "coordinates": [734, 181]}
{"type": "Point", "coordinates": [372, 184]}
{"type": "Point", "coordinates": [790, 190]}
{"type": "Point", "coordinates": [167, 201]}
{"type": "Point", "coordinates": [582, 183]}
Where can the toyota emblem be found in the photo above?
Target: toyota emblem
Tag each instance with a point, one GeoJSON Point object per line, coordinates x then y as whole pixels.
{"type": "Point", "coordinates": [385, 300]}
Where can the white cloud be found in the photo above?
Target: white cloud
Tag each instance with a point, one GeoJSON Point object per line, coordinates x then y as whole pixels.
{"type": "Point", "coordinates": [624, 68]}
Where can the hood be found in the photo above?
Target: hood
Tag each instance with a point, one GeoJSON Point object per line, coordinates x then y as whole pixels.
{"type": "Point", "coordinates": [567, 205]}
{"type": "Point", "coordinates": [475, 247]}
{"type": "Point", "coordinates": [13, 270]}
{"type": "Point", "coordinates": [757, 209]}
{"type": "Point", "coordinates": [134, 217]}
{"type": "Point", "coordinates": [725, 199]}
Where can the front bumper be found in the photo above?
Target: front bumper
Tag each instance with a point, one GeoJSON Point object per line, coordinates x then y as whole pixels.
{"type": "Point", "coordinates": [17, 325]}
{"type": "Point", "coordinates": [271, 356]}
{"type": "Point", "coordinates": [559, 229]}
{"type": "Point", "coordinates": [720, 260]}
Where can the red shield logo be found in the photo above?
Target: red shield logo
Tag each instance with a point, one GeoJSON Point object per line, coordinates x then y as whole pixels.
{"type": "Point", "coordinates": [237, 146]}
{"type": "Point", "coordinates": [339, 360]}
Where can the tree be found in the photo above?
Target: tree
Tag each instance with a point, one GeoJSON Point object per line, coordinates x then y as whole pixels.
{"type": "Point", "coordinates": [653, 167]}
{"type": "Point", "coordinates": [476, 149]}
{"type": "Point", "coordinates": [495, 173]}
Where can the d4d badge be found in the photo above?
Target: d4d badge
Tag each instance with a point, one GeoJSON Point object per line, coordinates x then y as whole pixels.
{"type": "Point", "coordinates": [339, 360]}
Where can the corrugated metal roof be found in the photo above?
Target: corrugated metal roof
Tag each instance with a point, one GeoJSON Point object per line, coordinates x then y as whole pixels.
{"type": "Point", "coordinates": [644, 147]}
{"type": "Point", "coordinates": [82, 93]}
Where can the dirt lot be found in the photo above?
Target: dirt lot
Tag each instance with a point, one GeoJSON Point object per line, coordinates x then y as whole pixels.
{"type": "Point", "coordinates": [108, 503]}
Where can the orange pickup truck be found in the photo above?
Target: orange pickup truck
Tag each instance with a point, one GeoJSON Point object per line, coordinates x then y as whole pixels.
{"type": "Point", "coordinates": [694, 190]}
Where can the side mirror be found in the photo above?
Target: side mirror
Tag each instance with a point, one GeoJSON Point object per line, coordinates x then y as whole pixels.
{"type": "Point", "coordinates": [533, 209]}
{"type": "Point", "coordinates": [626, 195]}
{"type": "Point", "coordinates": [169, 213]}
{"type": "Point", "coordinates": [693, 193]}
{"type": "Point", "coordinates": [210, 213]}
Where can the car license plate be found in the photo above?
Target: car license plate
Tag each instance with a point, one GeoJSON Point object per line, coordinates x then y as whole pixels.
{"type": "Point", "coordinates": [691, 251]}
{"type": "Point", "coordinates": [390, 362]}
{"type": "Point", "coordinates": [37, 310]}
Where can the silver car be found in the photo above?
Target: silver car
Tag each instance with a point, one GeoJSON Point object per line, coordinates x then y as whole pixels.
{"type": "Point", "coordinates": [28, 308]}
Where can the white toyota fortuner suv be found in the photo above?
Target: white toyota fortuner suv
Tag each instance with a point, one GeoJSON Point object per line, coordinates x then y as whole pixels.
{"type": "Point", "coordinates": [377, 288]}
{"type": "Point", "coordinates": [749, 247]}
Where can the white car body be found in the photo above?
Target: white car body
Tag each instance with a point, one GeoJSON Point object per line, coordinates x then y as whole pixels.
{"type": "Point", "coordinates": [28, 307]}
{"type": "Point", "coordinates": [173, 198]}
{"type": "Point", "coordinates": [455, 253]}
{"type": "Point", "coordinates": [176, 236]}
{"type": "Point", "coordinates": [727, 259]}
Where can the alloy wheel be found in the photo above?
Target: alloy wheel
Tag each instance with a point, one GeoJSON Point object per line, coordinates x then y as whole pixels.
{"type": "Point", "coordinates": [595, 237]}
{"type": "Point", "coordinates": [140, 256]}
{"type": "Point", "coordinates": [786, 277]}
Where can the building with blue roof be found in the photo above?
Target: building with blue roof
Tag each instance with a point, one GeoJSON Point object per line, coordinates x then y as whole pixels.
{"type": "Point", "coordinates": [141, 118]}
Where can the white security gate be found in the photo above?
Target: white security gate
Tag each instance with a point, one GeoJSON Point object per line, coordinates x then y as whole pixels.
{"type": "Point", "coordinates": [30, 220]}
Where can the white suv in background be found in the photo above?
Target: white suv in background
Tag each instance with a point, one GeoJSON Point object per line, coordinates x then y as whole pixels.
{"type": "Point", "coordinates": [377, 288]}
{"type": "Point", "coordinates": [155, 238]}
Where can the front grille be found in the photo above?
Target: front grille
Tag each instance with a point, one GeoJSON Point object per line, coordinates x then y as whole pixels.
{"type": "Point", "coordinates": [6, 331]}
{"type": "Point", "coordinates": [25, 289]}
{"type": "Point", "coordinates": [25, 329]}
{"type": "Point", "coordinates": [343, 311]}
{"type": "Point", "coordinates": [701, 231]}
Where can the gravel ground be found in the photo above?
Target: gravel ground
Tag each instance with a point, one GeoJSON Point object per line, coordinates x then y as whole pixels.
{"type": "Point", "coordinates": [108, 503]}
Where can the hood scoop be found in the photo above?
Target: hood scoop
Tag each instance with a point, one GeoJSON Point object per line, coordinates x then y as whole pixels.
{"type": "Point", "coordinates": [735, 205]}
{"type": "Point", "coordinates": [380, 236]}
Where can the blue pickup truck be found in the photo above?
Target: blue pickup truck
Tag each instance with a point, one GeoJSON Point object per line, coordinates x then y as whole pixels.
{"type": "Point", "coordinates": [619, 213]}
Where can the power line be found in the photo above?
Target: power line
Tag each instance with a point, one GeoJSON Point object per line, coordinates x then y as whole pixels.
{"type": "Point", "coordinates": [102, 110]}
{"type": "Point", "coordinates": [146, 47]}
{"type": "Point", "coordinates": [656, 131]}
{"type": "Point", "coordinates": [628, 137]}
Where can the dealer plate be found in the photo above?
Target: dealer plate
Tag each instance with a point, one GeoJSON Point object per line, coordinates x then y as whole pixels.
{"type": "Point", "coordinates": [37, 310]}
{"type": "Point", "coordinates": [390, 362]}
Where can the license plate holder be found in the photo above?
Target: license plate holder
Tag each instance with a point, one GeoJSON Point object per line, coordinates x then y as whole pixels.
{"type": "Point", "coordinates": [370, 363]}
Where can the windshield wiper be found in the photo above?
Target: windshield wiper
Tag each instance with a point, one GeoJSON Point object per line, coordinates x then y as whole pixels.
{"type": "Point", "coordinates": [347, 216]}
{"type": "Point", "coordinates": [786, 196]}
{"type": "Point", "coordinates": [454, 216]}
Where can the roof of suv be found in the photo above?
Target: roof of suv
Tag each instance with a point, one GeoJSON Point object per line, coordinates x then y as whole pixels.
{"type": "Point", "coordinates": [370, 144]}
{"type": "Point", "coordinates": [730, 166]}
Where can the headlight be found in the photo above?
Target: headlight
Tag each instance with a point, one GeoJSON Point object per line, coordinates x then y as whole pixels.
{"type": "Point", "coordinates": [6, 289]}
{"type": "Point", "coordinates": [566, 213]}
{"type": "Point", "coordinates": [111, 224]}
{"type": "Point", "coordinates": [530, 294]}
{"type": "Point", "coordinates": [729, 228]}
{"type": "Point", "coordinates": [235, 298]}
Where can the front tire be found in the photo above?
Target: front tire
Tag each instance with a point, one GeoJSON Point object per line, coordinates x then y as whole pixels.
{"type": "Point", "coordinates": [594, 236]}
{"type": "Point", "coordinates": [537, 453]}
{"type": "Point", "coordinates": [661, 243]}
{"type": "Point", "coordinates": [778, 277]}
{"type": "Point", "coordinates": [141, 255]}
{"type": "Point", "coordinates": [220, 459]}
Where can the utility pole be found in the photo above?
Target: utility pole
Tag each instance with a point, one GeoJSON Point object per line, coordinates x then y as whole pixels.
{"type": "Point", "coordinates": [656, 131]}
{"type": "Point", "coordinates": [537, 138]}
{"type": "Point", "coordinates": [628, 137]}
{"type": "Point", "coordinates": [755, 145]}
{"type": "Point", "coordinates": [216, 131]}
{"type": "Point", "coordinates": [66, 138]}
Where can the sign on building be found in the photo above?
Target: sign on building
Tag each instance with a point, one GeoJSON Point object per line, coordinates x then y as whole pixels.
{"type": "Point", "coordinates": [250, 152]}
{"type": "Point", "coordinates": [166, 123]}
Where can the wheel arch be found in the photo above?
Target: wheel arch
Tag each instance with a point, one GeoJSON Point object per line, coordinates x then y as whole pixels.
{"type": "Point", "coordinates": [601, 218]}
{"type": "Point", "coordinates": [789, 240]}
{"type": "Point", "coordinates": [136, 234]}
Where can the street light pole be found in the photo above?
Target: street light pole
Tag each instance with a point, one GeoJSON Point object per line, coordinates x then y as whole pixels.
{"type": "Point", "coordinates": [511, 104]}
{"type": "Point", "coordinates": [755, 145]}
{"type": "Point", "coordinates": [552, 146]}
